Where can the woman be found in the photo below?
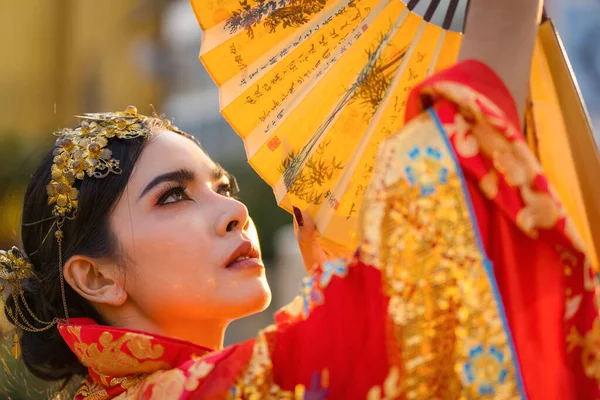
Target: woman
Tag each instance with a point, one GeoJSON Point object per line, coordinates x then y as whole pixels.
{"type": "Point", "coordinates": [136, 256]}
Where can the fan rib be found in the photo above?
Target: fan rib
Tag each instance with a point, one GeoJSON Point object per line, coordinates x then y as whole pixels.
{"type": "Point", "coordinates": [436, 54]}
{"type": "Point", "coordinates": [412, 4]}
{"type": "Point", "coordinates": [450, 14]}
{"type": "Point", "coordinates": [431, 10]}
{"type": "Point", "coordinates": [465, 16]}
{"type": "Point", "coordinates": [545, 16]}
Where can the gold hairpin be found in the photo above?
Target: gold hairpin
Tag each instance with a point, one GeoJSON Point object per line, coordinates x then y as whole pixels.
{"type": "Point", "coordinates": [14, 269]}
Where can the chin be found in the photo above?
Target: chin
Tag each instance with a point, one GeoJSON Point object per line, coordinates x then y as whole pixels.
{"type": "Point", "coordinates": [254, 300]}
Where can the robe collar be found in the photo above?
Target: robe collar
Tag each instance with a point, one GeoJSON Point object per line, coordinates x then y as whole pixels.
{"type": "Point", "coordinates": [117, 358]}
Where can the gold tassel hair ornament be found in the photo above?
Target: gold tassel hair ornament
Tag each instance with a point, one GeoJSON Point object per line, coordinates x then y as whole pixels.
{"type": "Point", "coordinates": [78, 153]}
{"type": "Point", "coordinates": [15, 269]}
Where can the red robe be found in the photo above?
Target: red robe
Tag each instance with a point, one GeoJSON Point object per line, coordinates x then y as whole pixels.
{"type": "Point", "coordinates": [470, 282]}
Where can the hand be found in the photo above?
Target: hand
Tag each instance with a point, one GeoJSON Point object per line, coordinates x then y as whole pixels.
{"type": "Point", "coordinates": [308, 240]}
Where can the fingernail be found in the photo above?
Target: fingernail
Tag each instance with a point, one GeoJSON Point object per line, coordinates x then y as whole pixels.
{"type": "Point", "coordinates": [298, 216]}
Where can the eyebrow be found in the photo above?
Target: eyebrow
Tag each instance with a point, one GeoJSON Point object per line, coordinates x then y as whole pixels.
{"type": "Point", "coordinates": [219, 173]}
{"type": "Point", "coordinates": [180, 176]}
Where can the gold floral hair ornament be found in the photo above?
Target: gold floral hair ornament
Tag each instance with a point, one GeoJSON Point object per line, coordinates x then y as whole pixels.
{"type": "Point", "coordinates": [82, 151]}
{"type": "Point", "coordinates": [14, 268]}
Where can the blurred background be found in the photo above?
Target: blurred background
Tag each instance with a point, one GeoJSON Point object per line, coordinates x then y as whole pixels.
{"type": "Point", "coordinates": [64, 57]}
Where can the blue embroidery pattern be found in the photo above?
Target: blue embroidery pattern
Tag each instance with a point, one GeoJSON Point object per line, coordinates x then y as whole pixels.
{"type": "Point", "coordinates": [330, 268]}
{"type": "Point", "coordinates": [425, 169]}
{"type": "Point", "coordinates": [311, 294]}
{"type": "Point", "coordinates": [485, 369]}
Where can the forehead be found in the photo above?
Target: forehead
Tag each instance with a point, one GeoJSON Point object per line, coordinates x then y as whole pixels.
{"type": "Point", "coordinates": [168, 151]}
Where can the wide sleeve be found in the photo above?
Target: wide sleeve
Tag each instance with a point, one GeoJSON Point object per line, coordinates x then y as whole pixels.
{"type": "Point", "coordinates": [469, 282]}
{"type": "Point", "coordinates": [547, 285]}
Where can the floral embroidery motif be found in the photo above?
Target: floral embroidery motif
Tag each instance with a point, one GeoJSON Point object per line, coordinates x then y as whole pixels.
{"type": "Point", "coordinates": [200, 369]}
{"type": "Point", "coordinates": [91, 390]}
{"type": "Point", "coordinates": [108, 358]}
{"type": "Point", "coordinates": [164, 385]}
{"type": "Point", "coordinates": [590, 349]}
{"type": "Point", "coordinates": [390, 388]}
{"type": "Point", "coordinates": [485, 369]}
{"type": "Point", "coordinates": [465, 144]}
{"type": "Point", "coordinates": [425, 169]}
{"type": "Point", "coordinates": [489, 185]}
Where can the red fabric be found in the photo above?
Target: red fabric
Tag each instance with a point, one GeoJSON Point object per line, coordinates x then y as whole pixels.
{"type": "Point", "coordinates": [354, 354]}
{"type": "Point", "coordinates": [477, 76]}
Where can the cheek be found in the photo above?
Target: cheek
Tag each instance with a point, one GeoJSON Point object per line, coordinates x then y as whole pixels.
{"type": "Point", "coordinates": [176, 261]}
{"type": "Point", "coordinates": [168, 251]}
{"type": "Point", "coordinates": [167, 238]}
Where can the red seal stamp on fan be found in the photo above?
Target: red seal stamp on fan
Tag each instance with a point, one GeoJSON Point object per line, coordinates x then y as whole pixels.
{"type": "Point", "coordinates": [274, 143]}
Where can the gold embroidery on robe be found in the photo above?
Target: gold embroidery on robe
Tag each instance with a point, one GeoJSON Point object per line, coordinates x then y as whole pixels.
{"type": "Point", "coordinates": [590, 349]}
{"type": "Point", "coordinates": [107, 357]}
{"type": "Point", "coordinates": [417, 229]}
{"type": "Point", "coordinates": [164, 385]}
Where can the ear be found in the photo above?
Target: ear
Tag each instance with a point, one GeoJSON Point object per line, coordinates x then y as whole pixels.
{"type": "Point", "coordinates": [95, 281]}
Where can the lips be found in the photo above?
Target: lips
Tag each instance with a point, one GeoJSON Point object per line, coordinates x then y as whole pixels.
{"type": "Point", "coordinates": [245, 255]}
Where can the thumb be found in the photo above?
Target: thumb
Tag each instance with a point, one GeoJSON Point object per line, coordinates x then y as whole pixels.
{"type": "Point", "coordinates": [307, 237]}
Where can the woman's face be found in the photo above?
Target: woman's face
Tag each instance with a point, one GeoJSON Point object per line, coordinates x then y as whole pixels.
{"type": "Point", "coordinates": [191, 250]}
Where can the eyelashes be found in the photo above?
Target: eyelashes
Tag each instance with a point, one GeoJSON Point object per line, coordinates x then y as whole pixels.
{"type": "Point", "coordinates": [176, 193]}
{"type": "Point", "coordinates": [228, 190]}
{"type": "Point", "coordinates": [172, 194]}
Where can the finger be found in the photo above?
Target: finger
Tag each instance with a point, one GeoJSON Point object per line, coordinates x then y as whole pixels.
{"type": "Point", "coordinates": [307, 236]}
{"type": "Point", "coordinates": [304, 226]}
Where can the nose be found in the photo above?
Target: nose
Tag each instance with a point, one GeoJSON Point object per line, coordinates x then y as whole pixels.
{"type": "Point", "coordinates": [234, 217]}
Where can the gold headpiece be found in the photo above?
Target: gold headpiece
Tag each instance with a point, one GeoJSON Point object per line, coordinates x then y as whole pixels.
{"type": "Point", "coordinates": [78, 152]}
{"type": "Point", "coordinates": [82, 151]}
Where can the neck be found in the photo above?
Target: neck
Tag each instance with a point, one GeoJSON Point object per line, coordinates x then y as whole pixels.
{"type": "Point", "coordinates": [208, 333]}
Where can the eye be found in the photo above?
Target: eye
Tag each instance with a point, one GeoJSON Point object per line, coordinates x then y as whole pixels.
{"type": "Point", "coordinates": [227, 190]}
{"type": "Point", "coordinates": [172, 195]}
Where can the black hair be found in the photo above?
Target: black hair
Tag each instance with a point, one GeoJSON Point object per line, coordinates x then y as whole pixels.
{"type": "Point", "coordinates": [45, 353]}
